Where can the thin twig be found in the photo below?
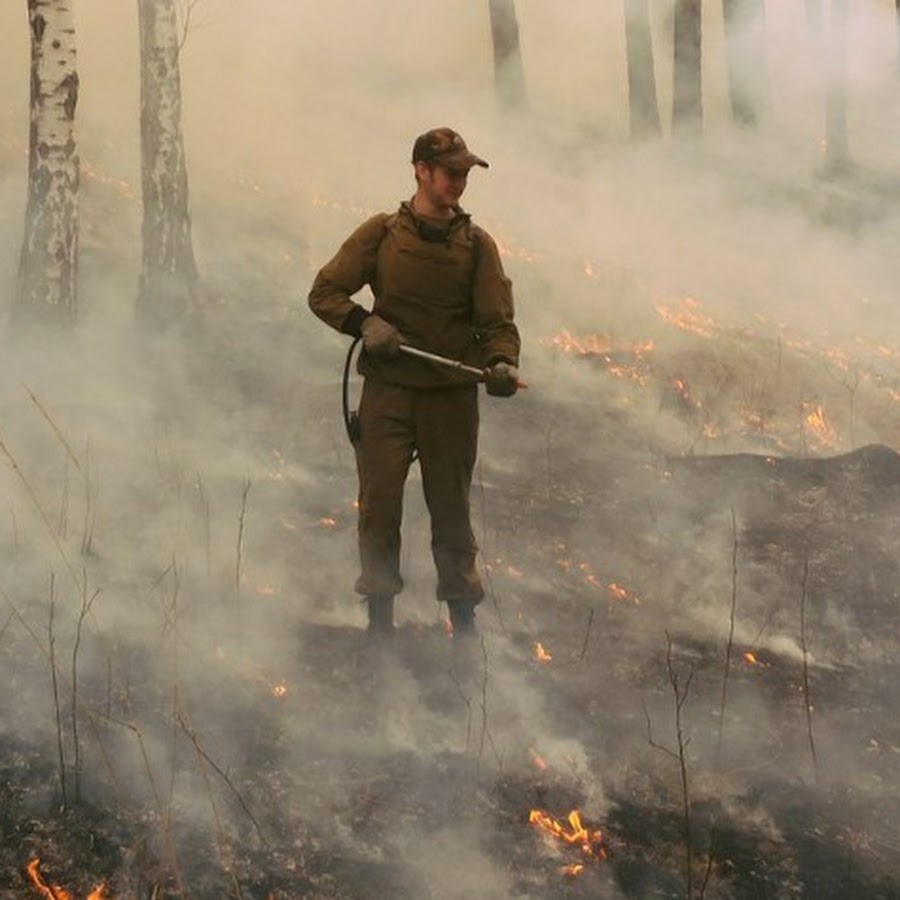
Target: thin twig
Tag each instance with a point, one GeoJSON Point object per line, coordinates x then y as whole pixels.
{"type": "Point", "coordinates": [51, 637]}
{"type": "Point", "coordinates": [56, 430]}
{"type": "Point", "coordinates": [87, 530]}
{"type": "Point", "coordinates": [85, 609]}
{"type": "Point", "coordinates": [587, 635]}
{"type": "Point", "coordinates": [729, 646]}
{"type": "Point", "coordinates": [223, 775]}
{"type": "Point", "coordinates": [207, 530]}
{"type": "Point", "coordinates": [485, 730]}
{"type": "Point", "coordinates": [32, 495]}
{"type": "Point", "coordinates": [238, 566]}
{"type": "Point", "coordinates": [679, 695]}
{"type": "Point", "coordinates": [484, 563]}
{"type": "Point", "coordinates": [807, 701]}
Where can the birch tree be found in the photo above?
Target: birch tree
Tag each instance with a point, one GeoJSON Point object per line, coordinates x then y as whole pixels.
{"type": "Point", "coordinates": [642, 101]}
{"type": "Point", "coordinates": [168, 280]}
{"type": "Point", "coordinates": [687, 100]}
{"type": "Point", "coordinates": [46, 288]}
{"type": "Point", "coordinates": [509, 75]}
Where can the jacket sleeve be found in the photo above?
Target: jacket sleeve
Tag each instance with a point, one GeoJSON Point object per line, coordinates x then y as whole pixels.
{"type": "Point", "coordinates": [349, 270]}
{"type": "Point", "coordinates": [494, 310]}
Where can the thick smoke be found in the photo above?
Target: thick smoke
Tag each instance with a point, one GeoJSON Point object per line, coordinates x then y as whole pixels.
{"type": "Point", "coordinates": [188, 513]}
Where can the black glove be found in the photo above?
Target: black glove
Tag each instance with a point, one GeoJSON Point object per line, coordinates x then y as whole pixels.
{"type": "Point", "coordinates": [380, 338]}
{"type": "Point", "coordinates": [502, 380]}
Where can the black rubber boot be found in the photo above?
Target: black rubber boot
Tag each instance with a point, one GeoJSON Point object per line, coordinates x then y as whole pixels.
{"type": "Point", "coordinates": [462, 618]}
{"type": "Point", "coordinates": [381, 614]}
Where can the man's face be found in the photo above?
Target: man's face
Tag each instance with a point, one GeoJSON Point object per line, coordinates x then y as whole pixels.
{"type": "Point", "coordinates": [443, 186]}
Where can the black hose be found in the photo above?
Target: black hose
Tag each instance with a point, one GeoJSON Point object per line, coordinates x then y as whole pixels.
{"type": "Point", "coordinates": [351, 417]}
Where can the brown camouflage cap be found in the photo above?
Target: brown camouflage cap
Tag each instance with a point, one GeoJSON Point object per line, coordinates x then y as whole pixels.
{"type": "Point", "coordinates": [445, 147]}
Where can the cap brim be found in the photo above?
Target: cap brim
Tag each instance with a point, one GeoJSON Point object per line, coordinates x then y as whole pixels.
{"type": "Point", "coordinates": [459, 160]}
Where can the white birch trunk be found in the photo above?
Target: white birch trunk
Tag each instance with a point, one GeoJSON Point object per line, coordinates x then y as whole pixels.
{"type": "Point", "coordinates": [168, 272]}
{"type": "Point", "coordinates": [48, 262]}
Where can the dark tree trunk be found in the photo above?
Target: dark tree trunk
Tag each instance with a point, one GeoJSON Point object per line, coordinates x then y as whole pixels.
{"type": "Point", "coordinates": [745, 24]}
{"type": "Point", "coordinates": [837, 144]}
{"type": "Point", "coordinates": [508, 72]}
{"type": "Point", "coordinates": [642, 102]}
{"type": "Point", "coordinates": [814, 13]}
{"type": "Point", "coordinates": [46, 289]}
{"type": "Point", "coordinates": [687, 100]}
{"type": "Point", "coordinates": [897, 8]}
{"type": "Point", "coordinates": [168, 281]}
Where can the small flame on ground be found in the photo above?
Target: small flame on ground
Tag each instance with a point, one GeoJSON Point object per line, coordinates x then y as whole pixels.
{"type": "Point", "coordinates": [572, 832]}
{"type": "Point", "coordinates": [541, 654]}
{"type": "Point", "coordinates": [617, 592]}
{"type": "Point", "coordinates": [817, 424]}
{"type": "Point", "coordinates": [55, 892]}
{"type": "Point", "coordinates": [688, 317]}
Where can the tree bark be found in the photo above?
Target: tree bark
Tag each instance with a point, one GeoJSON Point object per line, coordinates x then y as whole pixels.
{"type": "Point", "coordinates": [642, 101]}
{"type": "Point", "coordinates": [687, 98]}
{"type": "Point", "coordinates": [168, 281]}
{"type": "Point", "coordinates": [745, 22]}
{"type": "Point", "coordinates": [837, 143]}
{"type": "Point", "coordinates": [509, 76]}
{"type": "Point", "coordinates": [897, 26]}
{"type": "Point", "coordinates": [46, 289]}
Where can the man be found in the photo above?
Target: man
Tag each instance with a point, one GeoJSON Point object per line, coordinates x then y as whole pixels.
{"type": "Point", "coordinates": [439, 286]}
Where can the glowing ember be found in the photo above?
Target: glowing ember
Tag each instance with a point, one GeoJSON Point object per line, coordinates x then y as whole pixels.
{"type": "Point", "coordinates": [279, 690]}
{"type": "Point", "coordinates": [328, 522]}
{"type": "Point", "coordinates": [751, 659]}
{"type": "Point", "coordinates": [572, 832]}
{"type": "Point", "coordinates": [617, 592]}
{"type": "Point", "coordinates": [687, 317]}
{"type": "Point", "coordinates": [55, 892]}
{"type": "Point", "coordinates": [623, 359]}
{"type": "Point", "coordinates": [537, 759]}
{"type": "Point", "coordinates": [540, 654]}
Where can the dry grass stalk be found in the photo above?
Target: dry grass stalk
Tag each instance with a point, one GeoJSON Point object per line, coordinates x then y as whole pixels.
{"type": "Point", "coordinates": [729, 645]}
{"type": "Point", "coordinates": [807, 701]}
{"type": "Point", "coordinates": [205, 757]}
{"type": "Point", "coordinates": [680, 691]}
{"type": "Point", "coordinates": [51, 637]}
{"type": "Point", "coordinates": [239, 561]}
{"type": "Point", "coordinates": [86, 603]}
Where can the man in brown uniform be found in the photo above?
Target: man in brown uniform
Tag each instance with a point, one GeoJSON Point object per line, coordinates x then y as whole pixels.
{"type": "Point", "coordinates": [439, 286]}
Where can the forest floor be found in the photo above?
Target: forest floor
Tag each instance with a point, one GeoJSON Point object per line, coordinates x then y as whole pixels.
{"type": "Point", "coordinates": [686, 667]}
{"type": "Point", "coordinates": [684, 683]}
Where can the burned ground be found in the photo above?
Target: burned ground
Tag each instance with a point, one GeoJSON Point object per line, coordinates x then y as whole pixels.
{"type": "Point", "coordinates": [239, 736]}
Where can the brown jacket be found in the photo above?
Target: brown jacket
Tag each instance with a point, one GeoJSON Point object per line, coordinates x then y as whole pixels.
{"type": "Point", "coordinates": [445, 291]}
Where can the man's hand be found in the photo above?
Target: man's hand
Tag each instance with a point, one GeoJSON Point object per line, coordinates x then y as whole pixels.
{"type": "Point", "coordinates": [380, 338]}
{"type": "Point", "coordinates": [502, 380]}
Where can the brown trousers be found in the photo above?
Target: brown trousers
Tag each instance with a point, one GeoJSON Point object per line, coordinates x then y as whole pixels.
{"type": "Point", "coordinates": [442, 426]}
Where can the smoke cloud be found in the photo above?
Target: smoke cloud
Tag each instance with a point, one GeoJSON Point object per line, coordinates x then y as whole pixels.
{"type": "Point", "coordinates": [178, 524]}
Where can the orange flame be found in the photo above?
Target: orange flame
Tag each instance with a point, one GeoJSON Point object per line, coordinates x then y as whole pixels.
{"type": "Point", "coordinates": [817, 424]}
{"type": "Point", "coordinates": [541, 654]}
{"type": "Point", "coordinates": [688, 318]}
{"type": "Point", "coordinates": [572, 832]}
{"type": "Point", "coordinates": [55, 892]}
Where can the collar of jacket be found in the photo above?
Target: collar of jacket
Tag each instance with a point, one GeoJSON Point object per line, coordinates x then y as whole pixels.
{"type": "Point", "coordinates": [428, 229]}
